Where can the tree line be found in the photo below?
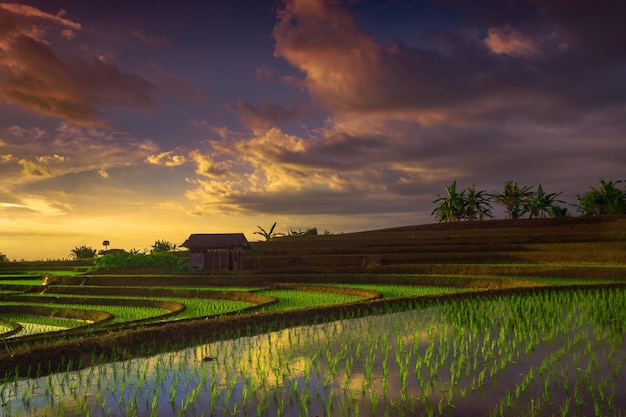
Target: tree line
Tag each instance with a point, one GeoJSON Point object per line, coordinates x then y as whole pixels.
{"type": "Point", "coordinates": [87, 252]}
{"type": "Point", "coordinates": [519, 202]}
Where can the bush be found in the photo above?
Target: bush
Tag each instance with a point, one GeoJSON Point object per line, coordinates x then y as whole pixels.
{"type": "Point", "coordinates": [83, 252]}
{"type": "Point", "coordinates": [173, 261]}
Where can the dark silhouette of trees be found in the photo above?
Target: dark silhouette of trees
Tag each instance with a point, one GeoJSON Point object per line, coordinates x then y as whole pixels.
{"type": "Point", "coordinates": [540, 204]}
{"type": "Point", "coordinates": [606, 200]}
{"type": "Point", "coordinates": [451, 207]}
{"type": "Point", "coordinates": [471, 204]}
{"type": "Point", "coordinates": [162, 246]}
{"type": "Point", "coordinates": [468, 204]}
{"type": "Point", "coordinates": [82, 252]}
{"type": "Point", "coordinates": [268, 235]}
{"type": "Point", "coordinates": [514, 199]}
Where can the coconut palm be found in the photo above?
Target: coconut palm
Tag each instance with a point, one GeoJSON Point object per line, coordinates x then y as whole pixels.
{"type": "Point", "coordinates": [514, 199]}
{"type": "Point", "coordinates": [540, 204]}
{"type": "Point", "coordinates": [452, 207]}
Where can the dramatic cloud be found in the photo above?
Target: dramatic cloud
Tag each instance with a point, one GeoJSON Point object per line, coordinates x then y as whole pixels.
{"type": "Point", "coordinates": [34, 76]}
{"type": "Point", "coordinates": [262, 117]}
{"type": "Point", "coordinates": [346, 115]}
{"type": "Point", "coordinates": [406, 120]}
{"type": "Point", "coordinates": [72, 149]}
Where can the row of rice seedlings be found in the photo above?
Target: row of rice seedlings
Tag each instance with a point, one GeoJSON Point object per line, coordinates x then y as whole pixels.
{"type": "Point", "coordinates": [32, 324]}
{"type": "Point", "coordinates": [121, 313]}
{"type": "Point", "coordinates": [24, 281]}
{"type": "Point", "coordinates": [194, 307]}
{"type": "Point", "coordinates": [43, 320]}
{"type": "Point", "coordinates": [197, 307]}
{"type": "Point", "coordinates": [396, 290]}
{"type": "Point", "coordinates": [293, 299]}
{"type": "Point", "coordinates": [34, 328]}
{"type": "Point", "coordinates": [545, 354]}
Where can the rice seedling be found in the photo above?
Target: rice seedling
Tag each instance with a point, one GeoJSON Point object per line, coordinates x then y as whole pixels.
{"type": "Point", "coordinates": [543, 354]}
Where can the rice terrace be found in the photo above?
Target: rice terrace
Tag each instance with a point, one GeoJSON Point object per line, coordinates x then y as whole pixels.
{"type": "Point", "coordinates": [494, 318]}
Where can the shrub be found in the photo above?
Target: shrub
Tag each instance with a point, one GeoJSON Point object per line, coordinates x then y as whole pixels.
{"type": "Point", "coordinates": [173, 261]}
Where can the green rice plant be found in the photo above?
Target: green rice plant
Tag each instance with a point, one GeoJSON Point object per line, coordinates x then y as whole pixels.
{"type": "Point", "coordinates": [292, 299]}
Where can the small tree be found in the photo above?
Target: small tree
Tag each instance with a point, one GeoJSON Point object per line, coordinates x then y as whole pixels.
{"type": "Point", "coordinates": [162, 246]}
{"type": "Point", "coordinates": [607, 200]}
{"type": "Point", "coordinates": [514, 199]}
{"type": "Point", "coordinates": [106, 244]}
{"type": "Point", "coordinates": [308, 232]}
{"type": "Point", "coordinates": [477, 204]}
{"type": "Point", "coordinates": [559, 212]}
{"type": "Point", "coordinates": [3, 258]}
{"type": "Point", "coordinates": [83, 252]}
{"type": "Point", "coordinates": [540, 204]}
{"type": "Point", "coordinates": [268, 235]}
{"type": "Point", "coordinates": [450, 208]}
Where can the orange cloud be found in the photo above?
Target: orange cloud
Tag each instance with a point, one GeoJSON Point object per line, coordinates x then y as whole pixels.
{"type": "Point", "coordinates": [206, 166]}
{"type": "Point", "coordinates": [33, 76]}
{"type": "Point", "coordinates": [507, 40]}
{"type": "Point", "coordinates": [33, 169]}
{"type": "Point", "coordinates": [339, 61]}
{"type": "Point", "coordinates": [169, 159]}
{"type": "Point", "coordinates": [72, 149]}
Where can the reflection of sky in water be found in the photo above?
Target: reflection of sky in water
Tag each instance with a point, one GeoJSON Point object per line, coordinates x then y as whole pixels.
{"type": "Point", "coordinates": [396, 364]}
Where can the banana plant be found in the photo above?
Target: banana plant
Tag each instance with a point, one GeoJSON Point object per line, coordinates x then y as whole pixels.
{"type": "Point", "coordinates": [268, 235]}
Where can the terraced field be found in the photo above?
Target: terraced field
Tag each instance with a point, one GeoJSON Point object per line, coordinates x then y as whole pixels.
{"type": "Point", "coordinates": [60, 316]}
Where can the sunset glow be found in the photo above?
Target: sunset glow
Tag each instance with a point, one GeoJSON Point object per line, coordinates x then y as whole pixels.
{"type": "Point", "coordinates": [130, 124]}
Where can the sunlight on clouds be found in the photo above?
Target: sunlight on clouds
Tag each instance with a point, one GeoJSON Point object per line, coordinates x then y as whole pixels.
{"type": "Point", "coordinates": [45, 207]}
{"type": "Point", "coordinates": [51, 158]}
{"type": "Point", "coordinates": [418, 173]}
{"type": "Point", "coordinates": [206, 166]}
{"type": "Point", "coordinates": [32, 169]}
{"type": "Point", "coordinates": [168, 159]}
{"type": "Point", "coordinates": [29, 11]}
{"type": "Point", "coordinates": [340, 62]}
{"type": "Point", "coordinates": [103, 173]}
{"type": "Point", "coordinates": [67, 86]}
{"type": "Point", "coordinates": [507, 40]}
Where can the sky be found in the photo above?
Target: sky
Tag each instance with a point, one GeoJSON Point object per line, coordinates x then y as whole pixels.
{"type": "Point", "coordinates": [132, 123]}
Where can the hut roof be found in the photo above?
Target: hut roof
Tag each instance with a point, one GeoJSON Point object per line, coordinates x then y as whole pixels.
{"type": "Point", "coordinates": [216, 241]}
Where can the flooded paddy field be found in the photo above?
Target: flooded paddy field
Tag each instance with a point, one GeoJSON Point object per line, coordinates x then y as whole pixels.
{"type": "Point", "coordinates": [545, 353]}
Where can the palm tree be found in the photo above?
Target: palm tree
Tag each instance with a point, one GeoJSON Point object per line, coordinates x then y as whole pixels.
{"type": "Point", "coordinates": [477, 204]}
{"type": "Point", "coordinates": [541, 204]}
{"type": "Point", "coordinates": [268, 235]}
{"type": "Point", "coordinates": [514, 199]}
{"type": "Point", "coordinates": [450, 208]}
{"type": "Point", "coordinates": [608, 200]}
{"type": "Point", "coordinates": [106, 244]}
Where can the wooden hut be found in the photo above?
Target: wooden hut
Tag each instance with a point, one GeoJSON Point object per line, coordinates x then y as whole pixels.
{"type": "Point", "coordinates": [216, 251]}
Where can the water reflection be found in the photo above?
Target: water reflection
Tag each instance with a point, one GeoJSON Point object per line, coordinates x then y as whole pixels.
{"type": "Point", "coordinates": [542, 355]}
